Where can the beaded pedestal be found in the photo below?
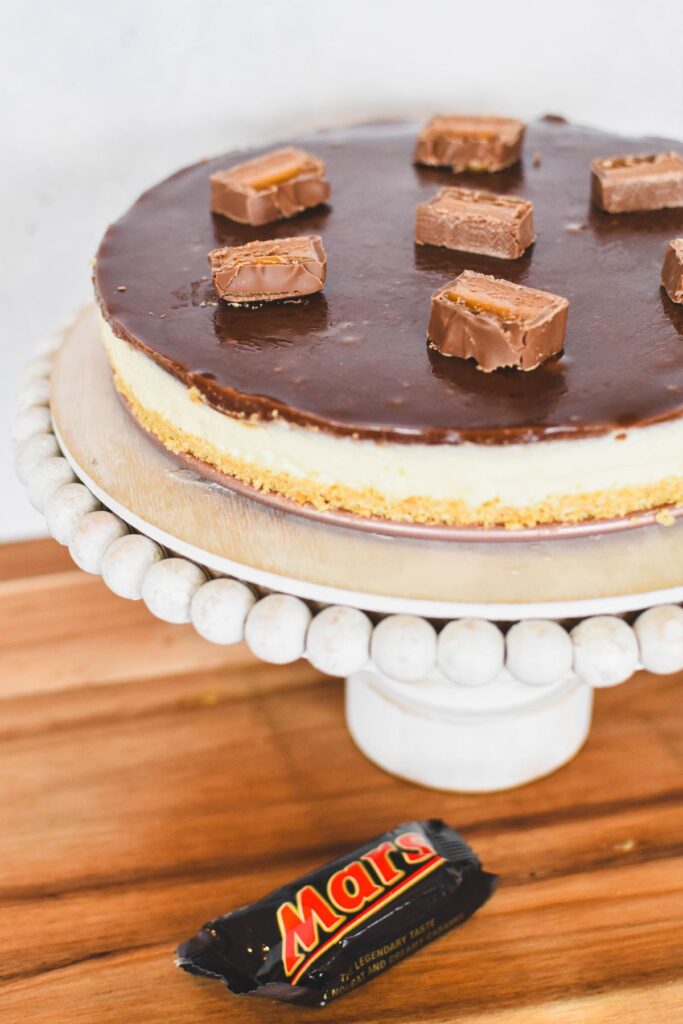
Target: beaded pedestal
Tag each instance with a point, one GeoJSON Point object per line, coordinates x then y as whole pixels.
{"type": "Point", "coordinates": [469, 665]}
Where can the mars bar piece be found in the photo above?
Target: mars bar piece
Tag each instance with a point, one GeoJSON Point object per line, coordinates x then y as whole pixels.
{"type": "Point", "coordinates": [672, 270]}
{"type": "Point", "coordinates": [271, 187]}
{"type": "Point", "coordinates": [624, 184]}
{"type": "Point", "coordinates": [331, 930]}
{"type": "Point", "coordinates": [497, 323]}
{"type": "Point", "coordinates": [282, 268]}
{"type": "Point", "coordinates": [470, 143]}
{"type": "Point", "coordinates": [461, 218]}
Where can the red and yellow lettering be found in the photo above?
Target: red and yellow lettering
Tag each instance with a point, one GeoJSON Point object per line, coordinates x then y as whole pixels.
{"type": "Point", "coordinates": [352, 887]}
{"type": "Point", "coordinates": [415, 847]}
{"type": "Point", "coordinates": [299, 925]}
{"type": "Point", "coordinates": [380, 858]}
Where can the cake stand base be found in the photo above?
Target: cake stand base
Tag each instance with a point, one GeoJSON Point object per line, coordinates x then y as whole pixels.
{"type": "Point", "coordinates": [535, 624]}
{"type": "Point", "coordinates": [468, 740]}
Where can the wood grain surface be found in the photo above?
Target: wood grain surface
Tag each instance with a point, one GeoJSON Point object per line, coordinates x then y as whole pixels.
{"type": "Point", "coordinates": [150, 781]}
{"type": "Point", "coordinates": [124, 465]}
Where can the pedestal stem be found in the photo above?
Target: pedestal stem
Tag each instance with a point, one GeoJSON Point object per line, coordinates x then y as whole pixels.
{"type": "Point", "coordinates": [467, 739]}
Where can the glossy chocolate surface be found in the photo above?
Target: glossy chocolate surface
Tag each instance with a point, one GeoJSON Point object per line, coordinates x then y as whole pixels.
{"type": "Point", "coordinates": [355, 359]}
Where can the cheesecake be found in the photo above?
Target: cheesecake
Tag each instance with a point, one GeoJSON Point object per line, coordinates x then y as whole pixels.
{"type": "Point", "coordinates": [338, 401]}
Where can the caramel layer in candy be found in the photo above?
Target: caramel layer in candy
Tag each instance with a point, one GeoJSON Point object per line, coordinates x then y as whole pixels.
{"type": "Point", "coordinates": [672, 270]}
{"type": "Point", "coordinates": [624, 184]}
{"type": "Point", "coordinates": [271, 187]}
{"type": "Point", "coordinates": [282, 268]}
{"type": "Point", "coordinates": [461, 218]}
{"type": "Point", "coordinates": [497, 323]}
{"type": "Point", "coordinates": [470, 143]}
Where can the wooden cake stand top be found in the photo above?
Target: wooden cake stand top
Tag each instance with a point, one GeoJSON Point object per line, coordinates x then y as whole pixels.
{"type": "Point", "coordinates": [231, 533]}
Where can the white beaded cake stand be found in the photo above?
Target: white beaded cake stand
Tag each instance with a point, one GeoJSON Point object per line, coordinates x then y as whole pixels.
{"type": "Point", "coordinates": [469, 666]}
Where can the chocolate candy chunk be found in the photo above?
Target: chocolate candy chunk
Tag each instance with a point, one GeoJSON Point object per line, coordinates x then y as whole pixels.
{"type": "Point", "coordinates": [470, 143]}
{"type": "Point", "coordinates": [497, 323]}
{"type": "Point", "coordinates": [461, 218]}
{"type": "Point", "coordinates": [281, 268]}
{"type": "Point", "coordinates": [672, 270]}
{"type": "Point", "coordinates": [326, 933]}
{"type": "Point", "coordinates": [271, 187]}
{"type": "Point", "coordinates": [623, 184]}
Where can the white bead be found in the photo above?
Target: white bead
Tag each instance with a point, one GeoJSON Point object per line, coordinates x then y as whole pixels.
{"type": "Point", "coordinates": [31, 451]}
{"type": "Point", "coordinates": [470, 652]}
{"type": "Point", "coordinates": [539, 652]}
{"type": "Point", "coordinates": [605, 651]}
{"type": "Point", "coordinates": [403, 647]}
{"type": "Point", "coordinates": [65, 508]}
{"type": "Point", "coordinates": [660, 637]}
{"type": "Point", "coordinates": [93, 534]}
{"type": "Point", "coordinates": [169, 586]}
{"type": "Point", "coordinates": [127, 562]}
{"type": "Point", "coordinates": [338, 641]}
{"type": "Point", "coordinates": [36, 420]}
{"type": "Point", "coordinates": [219, 610]}
{"type": "Point", "coordinates": [39, 367]}
{"type": "Point", "coordinates": [46, 477]}
{"type": "Point", "coordinates": [36, 392]}
{"type": "Point", "coordinates": [275, 630]}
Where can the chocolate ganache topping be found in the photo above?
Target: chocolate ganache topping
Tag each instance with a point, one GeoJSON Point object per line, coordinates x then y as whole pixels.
{"type": "Point", "coordinates": [354, 359]}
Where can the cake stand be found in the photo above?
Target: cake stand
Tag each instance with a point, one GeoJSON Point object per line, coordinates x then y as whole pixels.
{"type": "Point", "coordinates": [470, 663]}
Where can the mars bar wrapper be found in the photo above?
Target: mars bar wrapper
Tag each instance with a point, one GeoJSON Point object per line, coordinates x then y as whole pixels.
{"type": "Point", "coordinates": [328, 932]}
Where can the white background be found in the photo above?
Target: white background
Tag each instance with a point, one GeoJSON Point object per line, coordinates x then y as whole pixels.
{"type": "Point", "coordinates": [98, 100]}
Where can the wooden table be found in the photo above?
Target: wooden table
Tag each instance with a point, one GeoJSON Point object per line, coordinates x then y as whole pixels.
{"type": "Point", "coordinates": [133, 754]}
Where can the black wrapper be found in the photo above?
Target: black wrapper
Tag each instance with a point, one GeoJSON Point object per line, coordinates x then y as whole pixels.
{"type": "Point", "coordinates": [337, 927]}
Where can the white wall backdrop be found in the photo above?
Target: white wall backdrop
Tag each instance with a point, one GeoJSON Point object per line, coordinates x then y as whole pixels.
{"type": "Point", "coordinates": [98, 100]}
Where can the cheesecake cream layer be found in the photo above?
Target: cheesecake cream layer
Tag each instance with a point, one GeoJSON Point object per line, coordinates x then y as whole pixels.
{"type": "Point", "coordinates": [514, 485]}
